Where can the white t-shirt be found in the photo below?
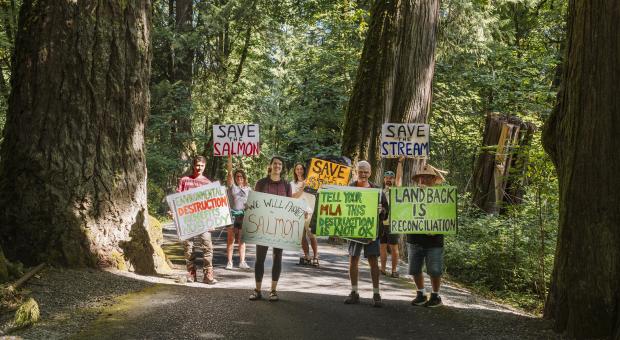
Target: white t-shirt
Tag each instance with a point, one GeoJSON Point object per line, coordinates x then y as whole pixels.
{"type": "Point", "coordinates": [240, 196]}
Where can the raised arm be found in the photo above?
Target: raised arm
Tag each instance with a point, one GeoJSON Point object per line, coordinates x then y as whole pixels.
{"type": "Point", "coordinates": [229, 176]}
{"type": "Point", "coordinates": [398, 181]}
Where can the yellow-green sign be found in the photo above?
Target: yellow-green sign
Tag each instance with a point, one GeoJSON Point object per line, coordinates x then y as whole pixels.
{"type": "Point", "coordinates": [348, 212]}
{"type": "Point", "coordinates": [428, 210]}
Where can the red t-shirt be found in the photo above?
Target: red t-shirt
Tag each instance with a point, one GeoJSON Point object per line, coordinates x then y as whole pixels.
{"type": "Point", "coordinates": [187, 183]}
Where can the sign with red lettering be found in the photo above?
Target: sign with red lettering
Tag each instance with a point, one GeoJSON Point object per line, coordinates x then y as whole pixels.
{"type": "Point", "coordinates": [324, 172]}
{"type": "Point", "coordinates": [236, 140]}
{"type": "Point", "coordinates": [199, 210]}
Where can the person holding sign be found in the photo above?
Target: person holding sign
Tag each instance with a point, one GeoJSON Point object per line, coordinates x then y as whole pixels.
{"type": "Point", "coordinates": [386, 237]}
{"type": "Point", "coordinates": [426, 248]}
{"type": "Point", "coordinates": [297, 187]}
{"type": "Point", "coordinates": [272, 184]}
{"type": "Point", "coordinates": [186, 183]}
{"type": "Point", "coordinates": [238, 183]}
{"type": "Point", "coordinates": [371, 249]}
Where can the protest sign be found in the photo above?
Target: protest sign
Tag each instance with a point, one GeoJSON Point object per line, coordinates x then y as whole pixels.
{"type": "Point", "coordinates": [428, 210]}
{"type": "Point", "coordinates": [199, 210]}
{"type": "Point", "coordinates": [236, 140]}
{"type": "Point", "coordinates": [273, 221]}
{"type": "Point", "coordinates": [323, 172]}
{"type": "Point", "coordinates": [409, 140]}
{"type": "Point", "coordinates": [348, 212]}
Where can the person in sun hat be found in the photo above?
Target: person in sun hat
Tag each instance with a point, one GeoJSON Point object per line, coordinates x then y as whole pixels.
{"type": "Point", "coordinates": [425, 248]}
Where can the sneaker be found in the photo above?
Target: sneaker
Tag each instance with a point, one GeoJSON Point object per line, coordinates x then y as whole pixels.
{"type": "Point", "coordinates": [353, 298]}
{"type": "Point", "coordinates": [395, 275]}
{"type": "Point", "coordinates": [419, 300]}
{"type": "Point", "coordinates": [243, 265]}
{"type": "Point", "coordinates": [434, 301]}
{"type": "Point", "coordinates": [273, 296]}
{"type": "Point", "coordinates": [229, 266]}
{"type": "Point", "coordinates": [376, 300]}
{"type": "Point", "coordinates": [256, 295]}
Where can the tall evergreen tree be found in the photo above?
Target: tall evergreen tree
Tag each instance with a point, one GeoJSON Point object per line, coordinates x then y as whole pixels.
{"type": "Point", "coordinates": [581, 137]}
{"type": "Point", "coordinates": [394, 77]}
{"type": "Point", "coordinates": [73, 175]}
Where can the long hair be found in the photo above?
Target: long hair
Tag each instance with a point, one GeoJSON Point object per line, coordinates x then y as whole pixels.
{"type": "Point", "coordinates": [245, 177]}
{"type": "Point", "coordinates": [297, 180]}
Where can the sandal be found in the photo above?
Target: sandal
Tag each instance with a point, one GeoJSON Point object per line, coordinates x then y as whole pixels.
{"type": "Point", "coordinates": [256, 295]}
{"type": "Point", "coordinates": [315, 262]}
{"type": "Point", "coordinates": [273, 296]}
{"type": "Point", "coordinates": [303, 261]}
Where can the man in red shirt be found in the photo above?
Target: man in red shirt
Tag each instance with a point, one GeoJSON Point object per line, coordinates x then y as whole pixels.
{"type": "Point", "coordinates": [186, 183]}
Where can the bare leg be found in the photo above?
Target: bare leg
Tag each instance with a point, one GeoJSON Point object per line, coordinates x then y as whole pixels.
{"type": "Point", "coordinates": [383, 253]}
{"type": "Point", "coordinates": [436, 283]}
{"type": "Point", "coordinates": [230, 240]}
{"type": "Point", "coordinates": [315, 246]}
{"type": "Point", "coordinates": [395, 257]}
{"type": "Point", "coordinates": [374, 270]}
{"type": "Point", "coordinates": [419, 281]}
{"type": "Point", "coordinates": [241, 245]}
{"type": "Point", "coordinates": [353, 269]}
{"type": "Point", "coordinates": [304, 245]}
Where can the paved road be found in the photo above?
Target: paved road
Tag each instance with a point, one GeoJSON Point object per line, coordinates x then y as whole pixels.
{"type": "Point", "coordinates": [311, 307]}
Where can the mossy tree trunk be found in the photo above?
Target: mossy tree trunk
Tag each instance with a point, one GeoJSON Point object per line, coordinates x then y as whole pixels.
{"type": "Point", "coordinates": [394, 77]}
{"type": "Point", "coordinates": [582, 138]}
{"type": "Point", "coordinates": [73, 175]}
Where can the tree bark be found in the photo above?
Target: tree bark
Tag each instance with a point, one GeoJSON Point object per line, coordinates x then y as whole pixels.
{"type": "Point", "coordinates": [73, 174]}
{"type": "Point", "coordinates": [394, 77]}
{"type": "Point", "coordinates": [582, 138]}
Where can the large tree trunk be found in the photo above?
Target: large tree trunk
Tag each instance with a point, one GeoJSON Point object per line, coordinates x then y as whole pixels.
{"type": "Point", "coordinates": [394, 77]}
{"type": "Point", "coordinates": [73, 175]}
{"type": "Point", "coordinates": [582, 138]}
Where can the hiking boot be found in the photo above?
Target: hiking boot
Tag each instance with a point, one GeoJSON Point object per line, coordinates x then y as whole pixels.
{"type": "Point", "coordinates": [353, 298]}
{"type": "Point", "coordinates": [229, 266]}
{"type": "Point", "coordinates": [208, 277]}
{"type": "Point", "coordinates": [434, 301]}
{"type": "Point", "coordinates": [243, 265]}
{"type": "Point", "coordinates": [376, 300]}
{"type": "Point", "coordinates": [420, 299]}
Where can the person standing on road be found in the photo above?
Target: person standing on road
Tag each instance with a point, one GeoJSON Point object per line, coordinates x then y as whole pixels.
{"type": "Point", "coordinates": [426, 248]}
{"type": "Point", "coordinates": [186, 183]}
{"type": "Point", "coordinates": [237, 182]}
{"type": "Point", "coordinates": [371, 250]}
{"type": "Point", "coordinates": [272, 184]}
{"type": "Point", "coordinates": [386, 237]}
{"type": "Point", "coordinates": [308, 239]}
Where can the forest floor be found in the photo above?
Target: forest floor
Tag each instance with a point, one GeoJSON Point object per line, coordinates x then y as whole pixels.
{"type": "Point", "coordinates": [102, 305]}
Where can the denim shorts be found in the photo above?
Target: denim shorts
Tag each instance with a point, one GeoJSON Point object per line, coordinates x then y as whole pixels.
{"type": "Point", "coordinates": [371, 249]}
{"type": "Point", "coordinates": [432, 256]}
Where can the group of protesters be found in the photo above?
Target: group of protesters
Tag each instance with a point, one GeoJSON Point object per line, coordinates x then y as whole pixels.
{"type": "Point", "coordinates": [422, 249]}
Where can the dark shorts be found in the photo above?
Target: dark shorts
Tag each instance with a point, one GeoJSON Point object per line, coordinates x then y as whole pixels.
{"type": "Point", "coordinates": [387, 237]}
{"type": "Point", "coordinates": [238, 222]}
{"type": "Point", "coordinates": [371, 249]}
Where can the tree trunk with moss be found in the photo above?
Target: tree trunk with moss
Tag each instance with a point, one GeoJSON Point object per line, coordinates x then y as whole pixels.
{"type": "Point", "coordinates": [582, 138]}
{"type": "Point", "coordinates": [73, 175]}
{"type": "Point", "coordinates": [394, 77]}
